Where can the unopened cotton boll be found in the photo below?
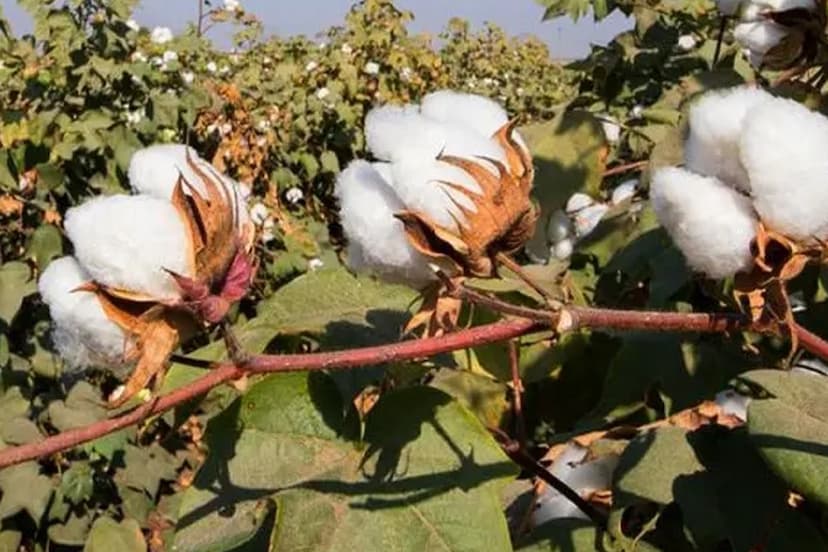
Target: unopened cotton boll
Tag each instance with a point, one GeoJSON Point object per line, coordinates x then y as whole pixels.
{"type": "Point", "coordinates": [82, 334]}
{"type": "Point", "coordinates": [127, 242]}
{"type": "Point", "coordinates": [783, 149]}
{"type": "Point", "coordinates": [711, 224]}
{"type": "Point", "coordinates": [559, 227]}
{"type": "Point", "coordinates": [377, 242]}
{"type": "Point", "coordinates": [716, 123]}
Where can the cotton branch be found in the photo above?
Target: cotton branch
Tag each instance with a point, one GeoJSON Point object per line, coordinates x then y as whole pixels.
{"type": "Point", "coordinates": [528, 321]}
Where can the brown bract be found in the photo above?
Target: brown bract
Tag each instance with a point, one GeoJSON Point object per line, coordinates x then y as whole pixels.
{"type": "Point", "coordinates": [502, 220]}
{"type": "Point", "coordinates": [762, 292]}
{"type": "Point", "coordinates": [223, 269]}
{"type": "Point", "coordinates": [804, 41]}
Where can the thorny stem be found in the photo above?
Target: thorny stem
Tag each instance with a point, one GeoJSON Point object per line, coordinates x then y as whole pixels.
{"type": "Point", "coordinates": [523, 459]}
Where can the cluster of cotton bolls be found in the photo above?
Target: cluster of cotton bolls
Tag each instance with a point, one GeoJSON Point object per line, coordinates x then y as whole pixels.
{"type": "Point", "coordinates": [127, 243]}
{"type": "Point", "coordinates": [773, 32]}
{"type": "Point", "coordinates": [580, 217]}
{"type": "Point", "coordinates": [410, 143]}
{"type": "Point", "coordinates": [749, 157]}
{"type": "Point", "coordinates": [581, 475]}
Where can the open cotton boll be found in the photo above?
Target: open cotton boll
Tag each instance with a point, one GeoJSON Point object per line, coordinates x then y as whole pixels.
{"type": "Point", "coordinates": [710, 223]}
{"type": "Point", "coordinates": [126, 242]}
{"type": "Point", "coordinates": [481, 114]}
{"type": "Point", "coordinates": [376, 240]}
{"type": "Point", "coordinates": [733, 403]}
{"type": "Point", "coordinates": [82, 333]}
{"type": "Point", "coordinates": [559, 227]}
{"type": "Point", "coordinates": [786, 5]}
{"type": "Point", "coordinates": [759, 37]}
{"type": "Point", "coordinates": [716, 122]}
{"type": "Point", "coordinates": [784, 149]}
{"type": "Point", "coordinates": [387, 126]}
{"type": "Point", "coordinates": [155, 171]}
{"type": "Point", "coordinates": [582, 477]}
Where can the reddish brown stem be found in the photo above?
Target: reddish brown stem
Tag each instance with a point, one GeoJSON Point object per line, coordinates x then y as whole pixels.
{"type": "Point", "coordinates": [569, 319]}
{"type": "Point", "coordinates": [225, 372]}
{"type": "Point", "coordinates": [627, 167]}
{"type": "Point", "coordinates": [810, 341]}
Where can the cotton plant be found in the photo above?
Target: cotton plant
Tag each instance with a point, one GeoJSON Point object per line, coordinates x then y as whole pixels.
{"type": "Point", "coordinates": [777, 34]}
{"type": "Point", "coordinates": [751, 201]}
{"type": "Point", "coordinates": [446, 197]}
{"type": "Point", "coordinates": [151, 268]}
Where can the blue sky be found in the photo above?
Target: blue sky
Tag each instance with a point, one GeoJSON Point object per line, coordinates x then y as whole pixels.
{"type": "Point", "coordinates": [518, 17]}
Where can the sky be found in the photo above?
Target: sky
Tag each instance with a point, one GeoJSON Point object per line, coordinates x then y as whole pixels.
{"type": "Point", "coordinates": [566, 39]}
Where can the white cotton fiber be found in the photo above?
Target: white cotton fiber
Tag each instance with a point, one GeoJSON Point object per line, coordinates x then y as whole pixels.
{"type": "Point", "coordinates": [710, 223]}
{"type": "Point", "coordinates": [584, 477]}
{"type": "Point", "coordinates": [481, 114]}
{"type": "Point", "coordinates": [559, 226]}
{"type": "Point", "coordinates": [155, 171]}
{"type": "Point", "coordinates": [784, 149]}
{"type": "Point", "coordinates": [377, 242]}
{"type": "Point", "coordinates": [716, 122]}
{"type": "Point", "coordinates": [389, 126]}
{"type": "Point", "coordinates": [126, 242]}
{"type": "Point", "coordinates": [785, 5]}
{"type": "Point", "coordinates": [759, 37]}
{"type": "Point", "coordinates": [82, 334]}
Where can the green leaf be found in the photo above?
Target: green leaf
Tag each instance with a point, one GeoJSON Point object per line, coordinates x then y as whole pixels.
{"type": "Point", "coordinates": [791, 429]}
{"type": "Point", "coordinates": [45, 244]}
{"type": "Point", "coordinates": [15, 284]}
{"type": "Point", "coordinates": [487, 398]}
{"type": "Point", "coordinates": [145, 468]}
{"type": "Point", "coordinates": [426, 462]}
{"type": "Point", "coordinates": [19, 431]}
{"type": "Point", "coordinates": [76, 484]}
{"type": "Point", "coordinates": [108, 535]}
{"type": "Point", "coordinates": [24, 489]}
{"type": "Point", "coordinates": [73, 531]}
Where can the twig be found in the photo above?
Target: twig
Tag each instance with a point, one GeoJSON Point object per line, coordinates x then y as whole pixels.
{"type": "Point", "coordinates": [510, 263]}
{"type": "Point", "coordinates": [517, 393]}
{"type": "Point", "coordinates": [634, 166]}
{"type": "Point", "coordinates": [810, 341]}
{"type": "Point", "coordinates": [722, 29]}
{"type": "Point", "coordinates": [528, 463]}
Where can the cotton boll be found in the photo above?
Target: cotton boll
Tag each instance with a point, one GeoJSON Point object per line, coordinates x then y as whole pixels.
{"type": "Point", "coordinates": [710, 223]}
{"type": "Point", "coordinates": [759, 37]}
{"type": "Point", "coordinates": [563, 249]}
{"type": "Point", "coordinates": [479, 113]}
{"type": "Point", "coordinates": [786, 5]}
{"type": "Point", "coordinates": [716, 122]}
{"type": "Point", "coordinates": [376, 240]}
{"type": "Point", "coordinates": [733, 403]}
{"type": "Point", "coordinates": [155, 171]}
{"type": "Point", "coordinates": [559, 227]}
{"type": "Point", "coordinates": [387, 126]}
{"type": "Point", "coordinates": [82, 333]}
{"type": "Point", "coordinates": [126, 242]}
{"type": "Point", "coordinates": [623, 192]}
{"type": "Point", "coordinates": [588, 218]}
{"type": "Point", "coordinates": [393, 133]}
{"type": "Point", "coordinates": [784, 149]}
{"type": "Point", "coordinates": [578, 201]}
{"type": "Point", "coordinates": [582, 477]}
